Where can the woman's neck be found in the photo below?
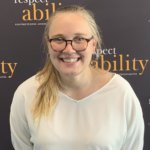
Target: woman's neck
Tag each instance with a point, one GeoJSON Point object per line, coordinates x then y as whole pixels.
{"type": "Point", "coordinates": [78, 81]}
{"type": "Point", "coordinates": [81, 86]}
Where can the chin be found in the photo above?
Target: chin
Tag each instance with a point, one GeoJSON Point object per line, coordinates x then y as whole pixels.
{"type": "Point", "coordinates": [70, 73]}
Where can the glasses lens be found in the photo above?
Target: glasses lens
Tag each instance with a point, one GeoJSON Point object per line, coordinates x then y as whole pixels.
{"type": "Point", "coordinates": [79, 44]}
{"type": "Point", "coordinates": [58, 44]}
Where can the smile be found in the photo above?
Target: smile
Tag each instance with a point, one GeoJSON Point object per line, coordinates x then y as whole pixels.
{"type": "Point", "coordinates": [70, 60]}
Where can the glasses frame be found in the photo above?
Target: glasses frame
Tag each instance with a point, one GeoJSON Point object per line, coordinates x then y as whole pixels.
{"type": "Point", "coordinates": [69, 42]}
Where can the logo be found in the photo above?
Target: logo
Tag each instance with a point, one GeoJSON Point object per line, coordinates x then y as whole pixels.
{"type": "Point", "coordinates": [7, 69]}
{"type": "Point", "coordinates": [123, 64]}
{"type": "Point", "coordinates": [35, 12]}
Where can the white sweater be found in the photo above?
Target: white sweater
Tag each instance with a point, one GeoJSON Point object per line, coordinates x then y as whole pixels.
{"type": "Point", "coordinates": [109, 119]}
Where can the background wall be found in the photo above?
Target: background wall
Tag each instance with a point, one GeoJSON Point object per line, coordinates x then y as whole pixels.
{"type": "Point", "coordinates": [125, 28]}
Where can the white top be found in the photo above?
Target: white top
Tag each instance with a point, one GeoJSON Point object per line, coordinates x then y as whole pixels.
{"type": "Point", "coordinates": [109, 119]}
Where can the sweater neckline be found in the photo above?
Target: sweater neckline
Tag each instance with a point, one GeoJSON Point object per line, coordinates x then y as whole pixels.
{"type": "Point", "coordinates": [68, 98]}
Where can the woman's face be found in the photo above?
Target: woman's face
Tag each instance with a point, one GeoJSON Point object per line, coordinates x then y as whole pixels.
{"type": "Point", "coordinates": [70, 26]}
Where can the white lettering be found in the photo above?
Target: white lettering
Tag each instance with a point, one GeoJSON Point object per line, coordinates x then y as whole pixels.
{"type": "Point", "coordinates": [30, 2]}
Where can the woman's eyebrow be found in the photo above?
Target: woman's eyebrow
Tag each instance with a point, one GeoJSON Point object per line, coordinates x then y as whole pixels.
{"type": "Point", "coordinates": [80, 34]}
{"type": "Point", "coordinates": [57, 35]}
{"type": "Point", "coordinates": [63, 36]}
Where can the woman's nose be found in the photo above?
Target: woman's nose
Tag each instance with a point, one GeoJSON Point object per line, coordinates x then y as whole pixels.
{"type": "Point", "coordinates": [69, 47]}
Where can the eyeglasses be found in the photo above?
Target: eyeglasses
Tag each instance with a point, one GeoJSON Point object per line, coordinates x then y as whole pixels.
{"type": "Point", "coordinates": [78, 43]}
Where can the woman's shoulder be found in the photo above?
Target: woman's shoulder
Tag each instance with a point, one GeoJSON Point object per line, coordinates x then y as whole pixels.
{"type": "Point", "coordinates": [28, 85]}
{"type": "Point", "coordinates": [114, 80]}
{"type": "Point", "coordinates": [121, 81]}
{"type": "Point", "coordinates": [24, 93]}
{"type": "Point", "coordinates": [121, 84]}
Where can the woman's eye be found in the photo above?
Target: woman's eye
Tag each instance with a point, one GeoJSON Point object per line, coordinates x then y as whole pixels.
{"type": "Point", "coordinates": [59, 40]}
{"type": "Point", "coordinates": [79, 39]}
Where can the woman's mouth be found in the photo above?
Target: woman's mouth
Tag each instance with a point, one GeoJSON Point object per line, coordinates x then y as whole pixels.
{"type": "Point", "coordinates": [70, 60]}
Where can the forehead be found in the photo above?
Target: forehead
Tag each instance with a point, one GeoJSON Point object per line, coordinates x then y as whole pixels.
{"type": "Point", "coordinates": [69, 23]}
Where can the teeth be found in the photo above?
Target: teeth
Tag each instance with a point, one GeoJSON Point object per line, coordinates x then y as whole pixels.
{"type": "Point", "coordinates": [70, 60]}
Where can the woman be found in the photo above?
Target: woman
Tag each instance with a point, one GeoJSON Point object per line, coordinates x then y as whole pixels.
{"type": "Point", "coordinates": [69, 105]}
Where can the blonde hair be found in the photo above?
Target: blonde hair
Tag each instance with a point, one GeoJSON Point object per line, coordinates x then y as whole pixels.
{"type": "Point", "coordinates": [48, 77]}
